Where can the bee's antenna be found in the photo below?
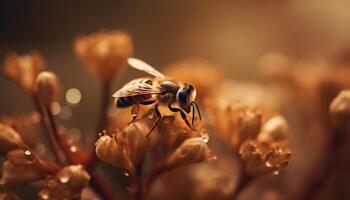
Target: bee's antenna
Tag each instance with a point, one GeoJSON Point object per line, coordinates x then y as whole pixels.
{"type": "Point", "coordinates": [199, 112]}
{"type": "Point", "coordinates": [193, 111]}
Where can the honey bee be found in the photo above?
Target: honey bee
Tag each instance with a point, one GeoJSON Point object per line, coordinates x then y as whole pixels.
{"type": "Point", "coordinates": [156, 91]}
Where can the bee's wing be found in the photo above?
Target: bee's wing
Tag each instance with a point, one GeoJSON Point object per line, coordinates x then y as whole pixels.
{"type": "Point", "coordinates": [141, 65]}
{"type": "Point", "coordinates": [134, 89]}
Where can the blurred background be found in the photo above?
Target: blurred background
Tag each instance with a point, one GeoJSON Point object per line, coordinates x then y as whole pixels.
{"type": "Point", "coordinates": [233, 35]}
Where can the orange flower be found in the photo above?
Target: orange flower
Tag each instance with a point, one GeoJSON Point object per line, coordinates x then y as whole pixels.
{"type": "Point", "coordinates": [104, 53]}
{"type": "Point", "coordinates": [23, 69]}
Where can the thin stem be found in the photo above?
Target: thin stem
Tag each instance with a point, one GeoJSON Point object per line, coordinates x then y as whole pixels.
{"type": "Point", "coordinates": [48, 129]}
{"type": "Point", "coordinates": [59, 140]}
{"type": "Point", "coordinates": [102, 120]}
{"type": "Point", "coordinates": [105, 100]}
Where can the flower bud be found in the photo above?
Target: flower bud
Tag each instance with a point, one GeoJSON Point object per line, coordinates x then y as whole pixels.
{"type": "Point", "coordinates": [191, 151]}
{"type": "Point", "coordinates": [275, 129]}
{"type": "Point", "coordinates": [24, 69]}
{"type": "Point", "coordinates": [9, 139]}
{"type": "Point", "coordinates": [262, 157]}
{"type": "Point", "coordinates": [139, 139]}
{"type": "Point", "coordinates": [249, 124]}
{"type": "Point", "coordinates": [66, 184]}
{"type": "Point", "coordinates": [110, 149]}
{"type": "Point", "coordinates": [47, 88]}
{"type": "Point", "coordinates": [22, 166]}
{"type": "Point", "coordinates": [340, 110]}
{"type": "Point", "coordinates": [105, 53]}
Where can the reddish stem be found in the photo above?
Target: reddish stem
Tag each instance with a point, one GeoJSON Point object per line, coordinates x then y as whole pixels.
{"type": "Point", "coordinates": [102, 120]}
{"type": "Point", "coordinates": [49, 130]}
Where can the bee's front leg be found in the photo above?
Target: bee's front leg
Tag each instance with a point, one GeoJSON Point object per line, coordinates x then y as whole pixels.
{"type": "Point", "coordinates": [183, 116]}
{"type": "Point", "coordinates": [134, 112]}
{"type": "Point", "coordinates": [156, 123]}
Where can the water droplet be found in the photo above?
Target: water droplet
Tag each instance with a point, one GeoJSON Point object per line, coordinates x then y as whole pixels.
{"type": "Point", "coordinates": [276, 172]}
{"type": "Point", "coordinates": [28, 153]}
{"type": "Point", "coordinates": [205, 138]}
{"type": "Point", "coordinates": [268, 163]}
{"type": "Point", "coordinates": [150, 115]}
{"type": "Point", "coordinates": [64, 178]}
{"type": "Point", "coordinates": [44, 195]}
{"type": "Point", "coordinates": [126, 174]}
{"type": "Point", "coordinates": [73, 149]}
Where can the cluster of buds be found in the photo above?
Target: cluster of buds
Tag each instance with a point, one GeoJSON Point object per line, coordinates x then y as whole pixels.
{"type": "Point", "coordinates": [23, 165]}
{"type": "Point", "coordinates": [104, 53]}
{"type": "Point", "coordinates": [184, 146]}
{"type": "Point", "coordinates": [169, 144]}
{"type": "Point", "coordinates": [68, 183]}
{"type": "Point", "coordinates": [261, 144]}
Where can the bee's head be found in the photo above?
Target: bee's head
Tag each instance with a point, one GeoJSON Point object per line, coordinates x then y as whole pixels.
{"type": "Point", "coordinates": [185, 96]}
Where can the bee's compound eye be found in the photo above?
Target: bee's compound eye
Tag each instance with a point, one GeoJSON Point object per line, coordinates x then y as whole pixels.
{"type": "Point", "coordinates": [182, 98]}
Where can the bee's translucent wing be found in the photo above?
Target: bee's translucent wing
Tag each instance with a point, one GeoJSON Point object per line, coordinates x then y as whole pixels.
{"type": "Point", "coordinates": [141, 65]}
{"type": "Point", "coordinates": [135, 89]}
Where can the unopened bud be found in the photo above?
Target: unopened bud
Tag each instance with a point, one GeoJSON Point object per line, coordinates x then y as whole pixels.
{"type": "Point", "coordinates": [340, 110]}
{"type": "Point", "coordinates": [24, 69]}
{"type": "Point", "coordinates": [249, 124]}
{"type": "Point", "coordinates": [110, 150]}
{"type": "Point", "coordinates": [105, 53]}
{"type": "Point", "coordinates": [275, 129]}
{"type": "Point", "coordinates": [66, 184]}
{"type": "Point", "coordinates": [192, 150]}
{"type": "Point", "coordinates": [9, 139]}
{"type": "Point", "coordinates": [47, 88]}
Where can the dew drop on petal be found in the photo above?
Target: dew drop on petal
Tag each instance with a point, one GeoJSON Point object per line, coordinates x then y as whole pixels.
{"type": "Point", "coordinates": [28, 153]}
{"type": "Point", "coordinates": [205, 138]}
{"type": "Point", "coordinates": [73, 149]}
{"type": "Point", "coordinates": [44, 195]}
{"type": "Point", "coordinates": [268, 163]}
{"type": "Point", "coordinates": [64, 178]}
{"type": "Point", "coordinates": [150, 115]}
{"type": "Point", "coordinates": [276, 172]}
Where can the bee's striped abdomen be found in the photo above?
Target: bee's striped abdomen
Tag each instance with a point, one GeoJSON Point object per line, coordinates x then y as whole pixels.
{"type": "Point", "coordinates": [123, 102]}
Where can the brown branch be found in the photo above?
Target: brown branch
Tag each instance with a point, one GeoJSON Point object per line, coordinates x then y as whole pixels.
{"type": "Point", "coordinates": [102, 120]}
{"type": "Point", "coordinates": [49, 130]}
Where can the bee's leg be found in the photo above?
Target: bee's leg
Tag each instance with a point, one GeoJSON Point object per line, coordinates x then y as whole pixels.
{"type": "Point", "coordinates": [134, 112]}
{"type": "Point", "coordinates": [183, 116]}
{"type": "Point", "coordinates": [156, 123]}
